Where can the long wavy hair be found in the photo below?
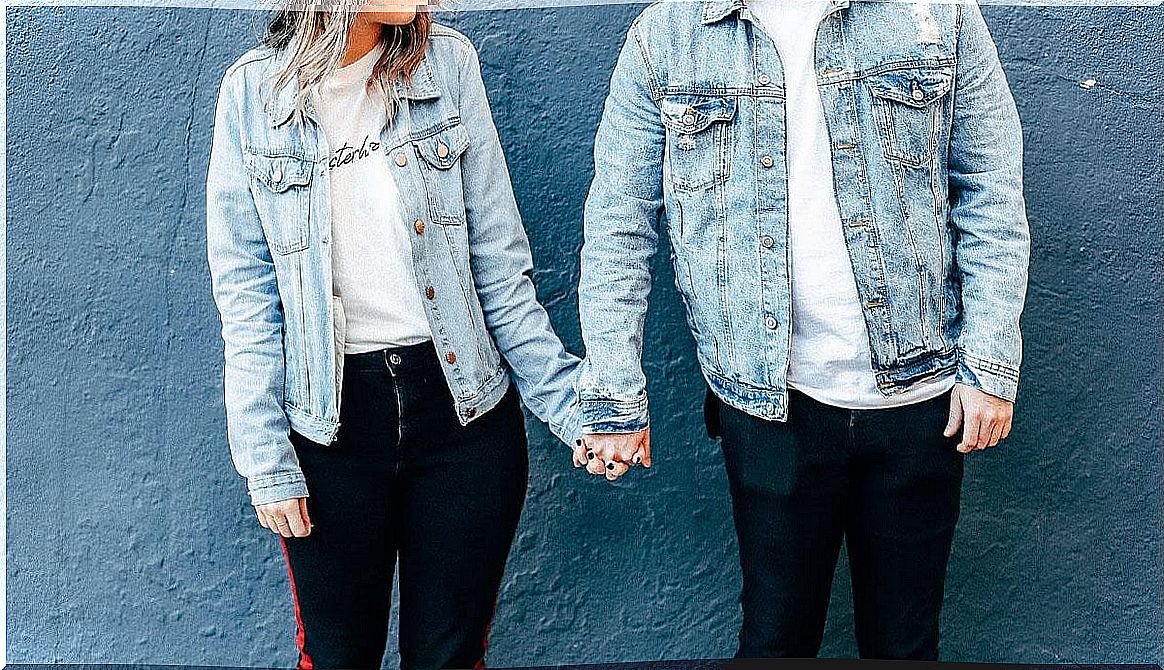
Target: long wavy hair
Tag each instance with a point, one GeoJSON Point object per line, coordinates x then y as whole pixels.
{"type": "Point", "coordinates": [317, 35]}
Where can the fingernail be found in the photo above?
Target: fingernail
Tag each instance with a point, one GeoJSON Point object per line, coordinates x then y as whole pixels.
{"type": "Point", "coordinates": [589, 455]}
{"type": "Point", "coordinates": [610, 466]}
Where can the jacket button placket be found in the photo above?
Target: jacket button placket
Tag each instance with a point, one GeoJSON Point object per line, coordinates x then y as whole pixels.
{"type": "Point", "coordinates": [772, 233]}
{"type": "Point", "coordinates": [846, 144]}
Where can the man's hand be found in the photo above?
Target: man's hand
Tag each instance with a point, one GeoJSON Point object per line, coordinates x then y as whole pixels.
{"type": "Point", "coordinates": [285, 517]}
{"type": "Point", "coordinates": [986, 418]}
{"type": "Point", "coordinates": [612, 454]}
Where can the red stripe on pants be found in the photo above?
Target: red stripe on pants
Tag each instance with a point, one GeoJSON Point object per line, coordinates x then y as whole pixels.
{"type": "Point", "coordinates": [304, 659]}
{"type": "Point", "coordinates": [480, 664]}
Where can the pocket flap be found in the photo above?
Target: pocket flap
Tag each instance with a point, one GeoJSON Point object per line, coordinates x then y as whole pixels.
{"type": "Point", "coordinates": [916, 87]}
{"type": "Point", "coordinates": [279, 173]}
{"type": "Point", "coordinates": [691, 113]}
{"type": "Point", "coordinates": [442, 149]}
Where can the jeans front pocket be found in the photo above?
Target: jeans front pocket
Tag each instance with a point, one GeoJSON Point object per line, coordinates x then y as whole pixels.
{"type": "Point", "coordinates": [698, 130]}
{"type": "Point", "coordinates": [907, 106]}
{"type": "Point", "coordinates": [281, 187]}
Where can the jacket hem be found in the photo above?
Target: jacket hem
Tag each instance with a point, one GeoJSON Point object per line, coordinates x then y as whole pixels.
{"type": "Point", "coordinates": [769, 404]}
{"type": "Point", "coordinates": [309, 426]}
{"type": "Point", "coordinates": [485, 399]}
{"type": "Point", "coordinates": [899, 379]}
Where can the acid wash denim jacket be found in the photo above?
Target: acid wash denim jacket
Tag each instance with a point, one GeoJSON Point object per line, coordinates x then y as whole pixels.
{"type": "Point", "coordinates": [268, 230]}
{"type": "Point", "coordinates": [926, 149]}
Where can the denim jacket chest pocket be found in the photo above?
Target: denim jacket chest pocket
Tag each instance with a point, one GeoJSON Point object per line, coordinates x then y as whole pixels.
{"type": "Point", "coordinates": [440, 152]}
{"type": "Point", "coordinates": [698, 130]}
{"type": "Point", "coordinates": [281, 186]}
{"type": "Point", "coordinates": [908, 106]}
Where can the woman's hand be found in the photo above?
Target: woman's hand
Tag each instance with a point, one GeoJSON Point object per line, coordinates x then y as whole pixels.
{"type": "Point", "coordinates": [612, 454]}
{"type": "Point", "coordinates": [285, 517]}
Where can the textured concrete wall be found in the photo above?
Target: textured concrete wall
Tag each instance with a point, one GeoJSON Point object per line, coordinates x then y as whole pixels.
{"type": "Point", "coordinates": [129, 535]}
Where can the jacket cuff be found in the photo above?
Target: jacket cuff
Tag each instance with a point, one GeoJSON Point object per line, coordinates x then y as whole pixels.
{"type": "Point", "coordinates": [989, 376]}
{"type": "Point", "coordinates": [615, 416]}
{"type": "Point", "coordinates": [570, 431]}
{"type": "Point", "coordinates": [273, 488]}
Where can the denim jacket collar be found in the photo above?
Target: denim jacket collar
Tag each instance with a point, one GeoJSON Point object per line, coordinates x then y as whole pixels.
{"type": "Point", "coordinates": [422, 86]}
{"type": "Point", "coordinates": [717, 10]}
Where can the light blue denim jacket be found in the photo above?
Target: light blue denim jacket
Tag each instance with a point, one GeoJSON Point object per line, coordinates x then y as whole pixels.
{"type": "Point", "coordinates": [268, 243]}
{"type": "Point", "coordinates": [926, 152]}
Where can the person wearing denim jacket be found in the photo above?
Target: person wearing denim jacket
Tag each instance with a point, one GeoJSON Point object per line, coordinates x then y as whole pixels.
{"type": "Point", "coordinates": [417, 448]}
{"type": "Point", "coordinates": [925, 211]}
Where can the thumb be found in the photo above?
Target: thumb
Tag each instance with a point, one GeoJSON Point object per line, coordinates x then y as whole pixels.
{"type": "Point", "coordinates": [646, 447]}
{"type": "Point", "coordinates": [955, 415]}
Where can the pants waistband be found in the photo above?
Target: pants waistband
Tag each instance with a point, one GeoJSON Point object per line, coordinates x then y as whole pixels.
{"type": "Point", "coordinates": [421, 356]}
{"type": "Point", "coordinates": [798, 397]}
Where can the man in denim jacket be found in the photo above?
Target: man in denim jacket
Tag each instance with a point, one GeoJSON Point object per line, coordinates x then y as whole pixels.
{"type": "Point", "coordinates": [842, 188]}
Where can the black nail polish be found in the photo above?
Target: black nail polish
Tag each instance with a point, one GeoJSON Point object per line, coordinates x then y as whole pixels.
{"type": "Point", "coordinates": [610, 466]}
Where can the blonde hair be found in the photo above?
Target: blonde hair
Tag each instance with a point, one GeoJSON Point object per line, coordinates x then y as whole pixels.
{"type": "Point", "coordinates": [318, 39]}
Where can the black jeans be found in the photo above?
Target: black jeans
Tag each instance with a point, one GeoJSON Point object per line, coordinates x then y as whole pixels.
{"type": "Point", "coordinates": [405, 480]}
{"type": "Point", "coordinates": [886, 480]}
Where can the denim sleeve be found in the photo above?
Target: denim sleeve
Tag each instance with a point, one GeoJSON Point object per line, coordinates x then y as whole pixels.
{"type": "Point", "coordinates": [988, 211]}
{"type": "Point", "coordinates": [502, 266]}
{"type": "Point", "coordinates": [620, 218]}
{"type": "Point", "coordinates": [245, 293]}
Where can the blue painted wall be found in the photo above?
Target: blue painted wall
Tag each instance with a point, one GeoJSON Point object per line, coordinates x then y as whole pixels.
{"type": "Point", "coordinates": [130, 538]}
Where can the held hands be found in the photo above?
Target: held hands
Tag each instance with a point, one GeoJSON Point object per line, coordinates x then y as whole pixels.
{"type": "Point", "coordinates": [285, 517]}
{"type": "Point", "coordinates": [613, 454]}
{"type": "Point", "coordinates": [985, 418]}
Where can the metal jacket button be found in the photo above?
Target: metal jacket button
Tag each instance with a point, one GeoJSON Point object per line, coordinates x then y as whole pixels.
{"type": "Point", "coordinates": [767, 161]}
{"type": "Point", "coordinates": [770, 321]}
{"type": "Point", "coordinates": [419, 226]}
{"type": "Point", "coordinates": [764, 80]}
{"type": "Point", "coordinates": [442, 150]}
{"type": "Point", "coordinates": [277, 175]}
{"type": "Point", "coordinates": [451, 357]}
{"type": "Point", "coordinates": [394, 359]}
{"type": "Point", "coordinates": [917, 92]}
{"type": "Point", "coordinates": [471, 412]}
{"type": "Point", "coordinates": [401, 159]}
{"type": "Point", "coordinates": [768, 242]}
{"type": "Point", "coordinates": [430, 293]}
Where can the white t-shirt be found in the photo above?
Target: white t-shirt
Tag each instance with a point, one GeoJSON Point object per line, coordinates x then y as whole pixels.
{"type": "Point", "coordinates": [830, 356]}
{"type": "Point", "coordinates": [372, 270]}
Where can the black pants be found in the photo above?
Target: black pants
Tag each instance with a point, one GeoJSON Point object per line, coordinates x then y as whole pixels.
{"type": "Point", "coordinates": [405, 480]}
{"type": "Point", "coordinates": [886, 480]}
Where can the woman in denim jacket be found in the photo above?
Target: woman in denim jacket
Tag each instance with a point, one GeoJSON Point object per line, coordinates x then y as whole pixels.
{"type": "Point", "coordinates": [373, 278]}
